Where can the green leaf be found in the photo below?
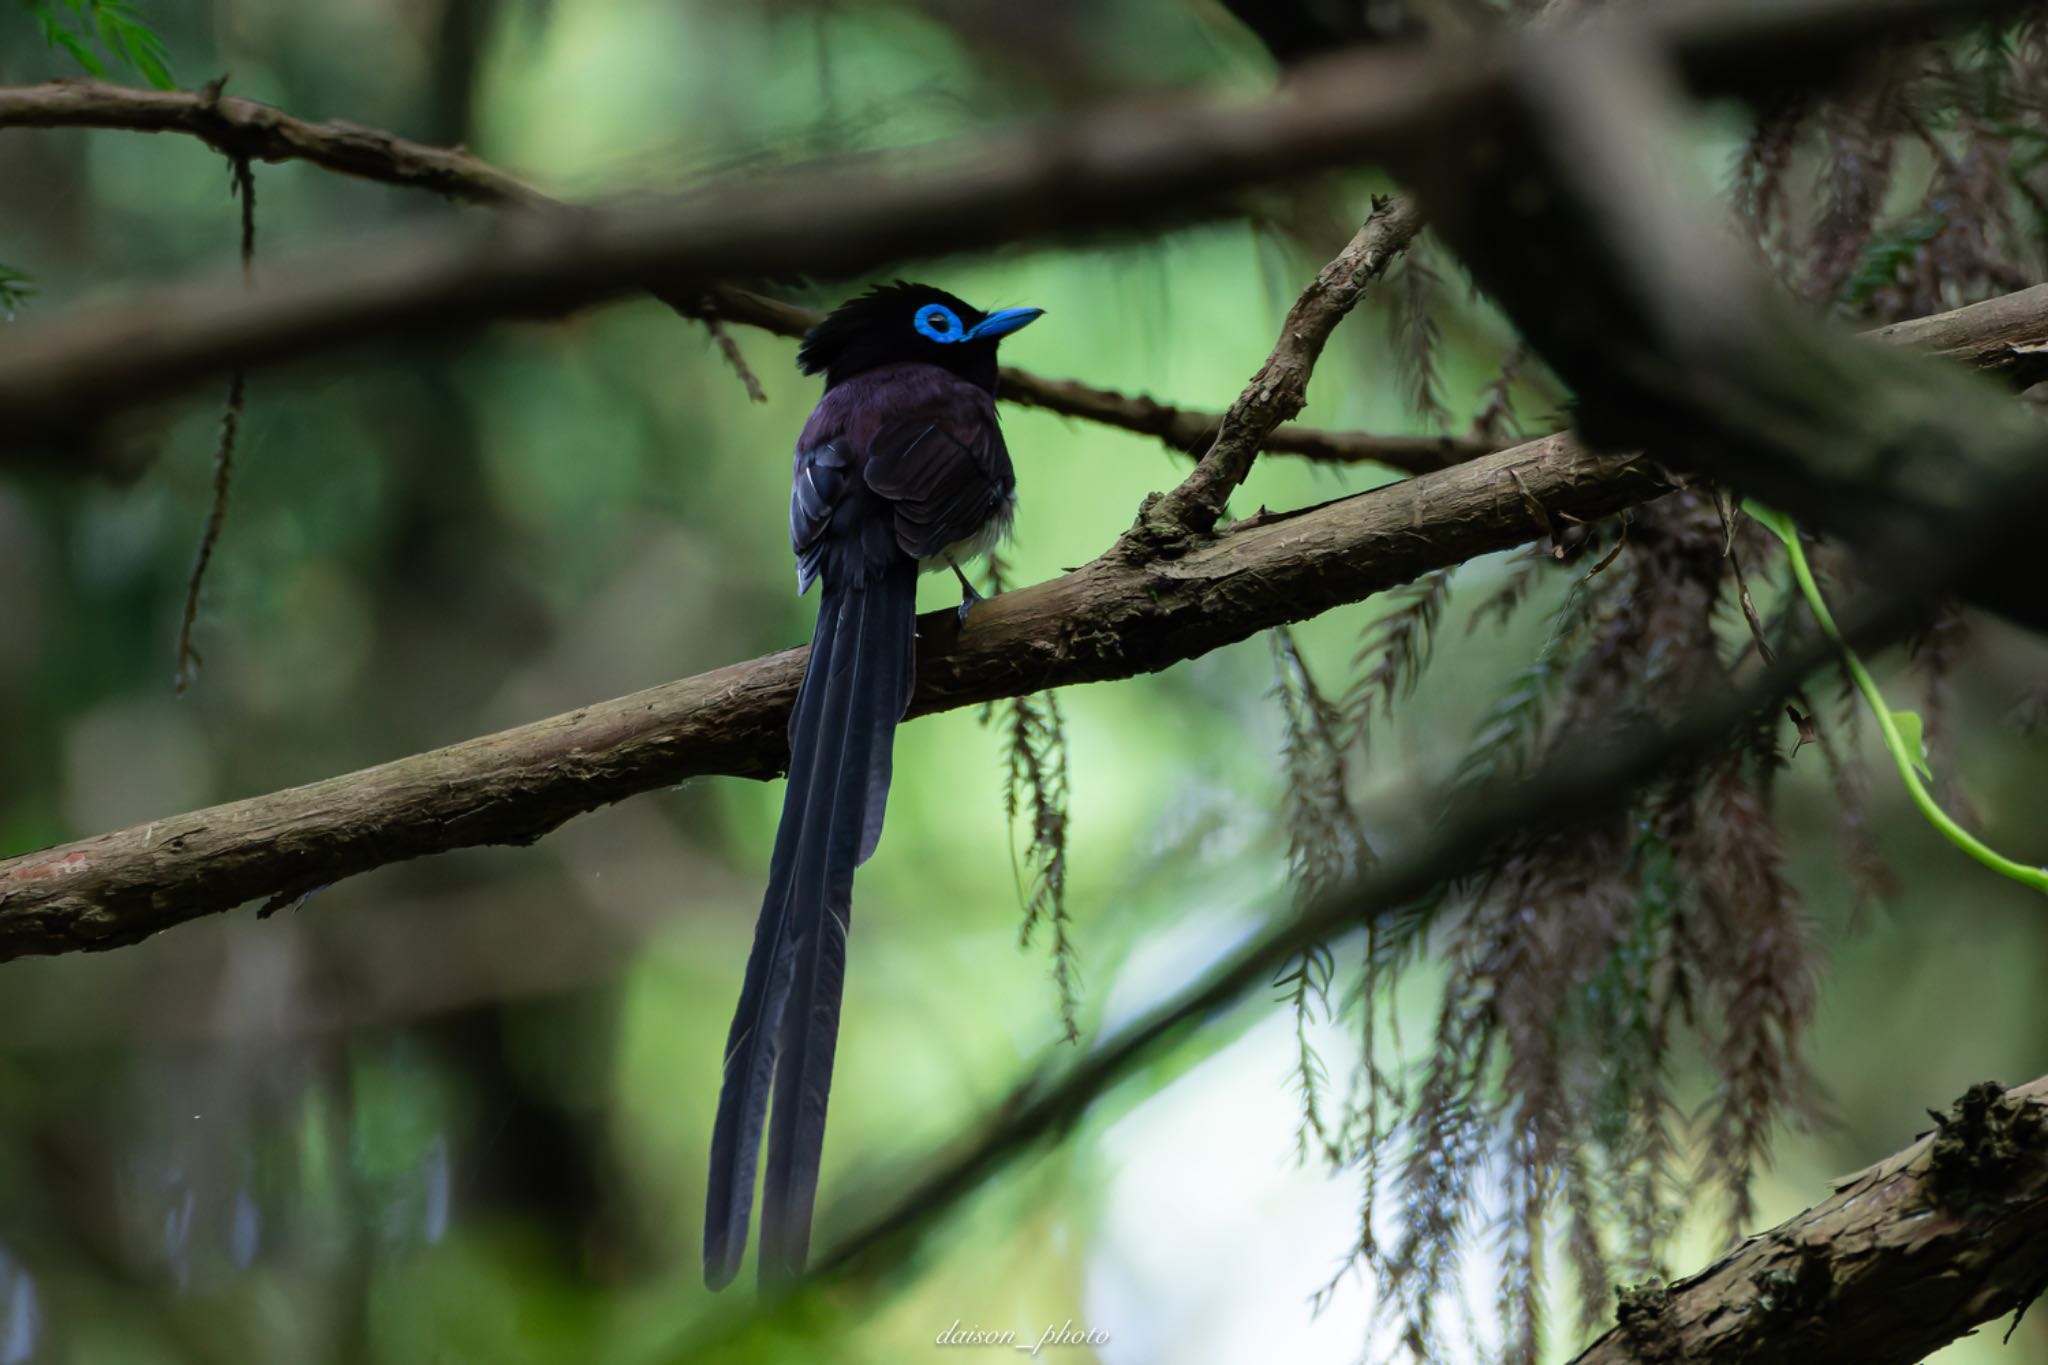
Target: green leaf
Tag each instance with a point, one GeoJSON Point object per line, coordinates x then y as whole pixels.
{"type": "Point", "coordinates": [144, 51]}
{"type": "Point", "coordinates": [118, 29]}
{"type": "Point", "coordinates": [15, 287]}
{"type": "Point", "coordinates": [1911, 731]}
{"type": "Point", "coordinates": [154, 71]}
{"type": "Point", "coordinates": [80, 53]}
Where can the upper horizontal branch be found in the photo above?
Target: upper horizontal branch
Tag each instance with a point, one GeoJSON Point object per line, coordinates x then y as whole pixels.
{"type": "Point", "coordinates": [1112, 618]}
{"type": "Point", "coordinates": [1190, 431]}
{"type": "Point", "coordinates": [1136, 164]}
{"type": "Point", "coordinates": [1118, 168]}
{"type": "Point", "coordinates": [249, 129]}
{"type": "Point", "coordinates": [260, 132]}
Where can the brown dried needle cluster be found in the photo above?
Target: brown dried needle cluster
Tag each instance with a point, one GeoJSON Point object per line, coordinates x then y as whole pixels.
{"type": "Point", "coordinates": [1590, 976]}
{"type": "Point", "coordinates": [1036, 792]}
{"type": "Point", "coordinates": [1584, 969]}
{"type": "Point", "coordinates": [1922, 186]}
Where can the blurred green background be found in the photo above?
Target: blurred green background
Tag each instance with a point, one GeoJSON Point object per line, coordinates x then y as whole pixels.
{"type": "Point", "coordinates": [457, 1110]}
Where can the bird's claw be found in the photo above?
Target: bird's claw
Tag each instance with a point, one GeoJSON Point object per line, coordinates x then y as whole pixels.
{"type": "Point", "coordinates": [968, 596]}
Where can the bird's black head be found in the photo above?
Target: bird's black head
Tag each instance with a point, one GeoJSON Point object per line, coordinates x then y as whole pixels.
{"type": "Point", "coordinates": [902, 321]}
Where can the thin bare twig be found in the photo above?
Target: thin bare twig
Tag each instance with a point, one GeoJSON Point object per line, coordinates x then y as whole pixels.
{"type": "Point", "coordinates": [224, 450]}
{"type": "Point", "coordinates": [1187, 431]}
{"type": "Point", "coordinates": [730, 349]}
{"type": "Point", "coordinates": [1280, 388]}
{"type": "Point", "coordinates": [1724, 505]}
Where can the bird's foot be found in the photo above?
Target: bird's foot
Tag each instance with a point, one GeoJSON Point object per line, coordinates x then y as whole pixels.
{"type": "Point", "coordinates": [968, 596]}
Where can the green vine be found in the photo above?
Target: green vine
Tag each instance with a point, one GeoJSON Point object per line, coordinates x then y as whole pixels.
{"type": "Point", "coordinates": [1900, 730]}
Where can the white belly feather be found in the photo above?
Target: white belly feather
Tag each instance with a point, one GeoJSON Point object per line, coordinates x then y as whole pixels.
{"type": "Point", "coordinates": [964, 552]}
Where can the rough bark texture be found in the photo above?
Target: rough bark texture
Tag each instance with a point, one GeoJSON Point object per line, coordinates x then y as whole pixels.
{"type": "Point", "coordinates": [2001, 336]}
{"type": "Point", "coordinates": [1906, 1257]}
{"type": "Point", "coordinates": [1112, 618]}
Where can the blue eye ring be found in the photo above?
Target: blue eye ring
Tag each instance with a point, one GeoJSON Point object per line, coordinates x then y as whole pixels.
{"type": "Point", "coordinates": [940, 323]}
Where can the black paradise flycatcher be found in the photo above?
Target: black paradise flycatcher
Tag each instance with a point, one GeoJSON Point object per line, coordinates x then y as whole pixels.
{"type": "Point", "coordinates": [900, 468]}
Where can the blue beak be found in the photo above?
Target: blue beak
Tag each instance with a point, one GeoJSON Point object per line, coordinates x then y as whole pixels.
{"type": "Point", "coordinates": [1002, 322]}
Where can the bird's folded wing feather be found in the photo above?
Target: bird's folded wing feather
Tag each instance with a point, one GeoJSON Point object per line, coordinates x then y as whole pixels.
{"type": "Point", "coordinates": [946, 474]}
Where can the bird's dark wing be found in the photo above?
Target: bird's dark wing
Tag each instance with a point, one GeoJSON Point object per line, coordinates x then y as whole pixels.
{"type": "Point", "coordinates": [823, 474]}
{"type": "Point", "coordinates": [945, 473]}
{"type": "Point", "coordinates": [839, 528]}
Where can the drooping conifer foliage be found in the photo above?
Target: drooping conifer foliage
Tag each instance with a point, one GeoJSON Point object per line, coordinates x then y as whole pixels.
{"type": "Point", "coordinates": [1622, 1017]}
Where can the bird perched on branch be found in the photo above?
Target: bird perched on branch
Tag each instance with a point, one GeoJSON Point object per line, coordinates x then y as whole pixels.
{"type": "Point", "coordinates": [900, 468]}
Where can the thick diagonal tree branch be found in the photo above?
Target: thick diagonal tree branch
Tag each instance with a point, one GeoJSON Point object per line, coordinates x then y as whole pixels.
{"type": "Point", "coordinates": [259, 132]}
{"type": "Point", "coordinates": [1115, 617]}
{"type": "Point", "coordinates": [1905, 1257]}
{"type": "Point", "coordinates": [1123, 614]}
{"type": "Point", "coordinates": [1126, 167]}
{"type": "Point", "coordinates": [1112, 618]}
{"type": "Point", "coordinates": [1576, 784]}
{"type": "Point", "coordinates": [1909, 1254]}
